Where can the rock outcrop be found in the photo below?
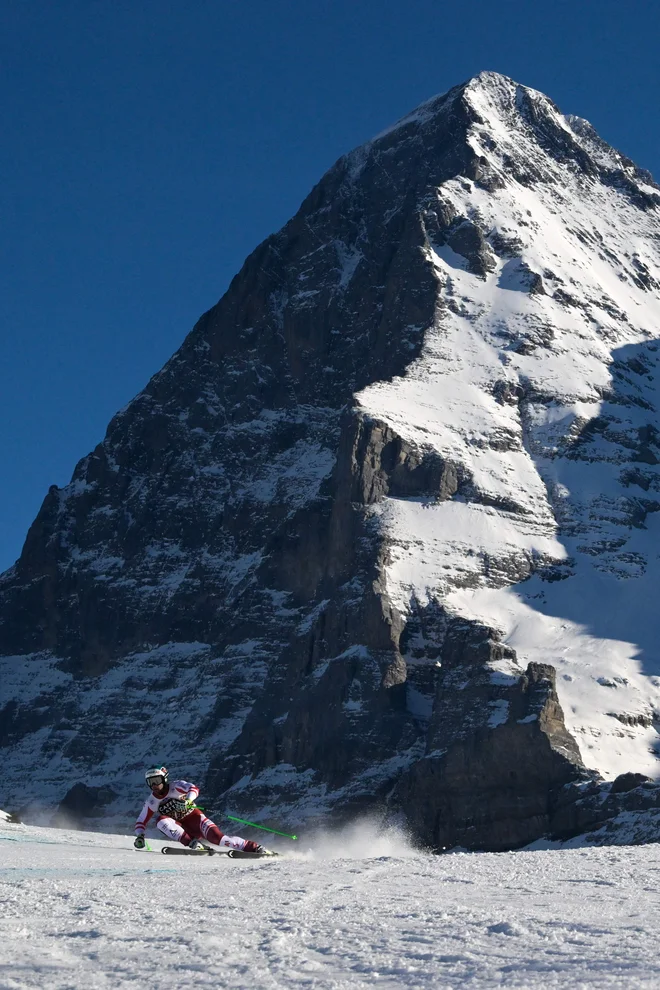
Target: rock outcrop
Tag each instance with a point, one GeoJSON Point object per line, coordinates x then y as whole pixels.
{"type": "Point", "coordinates": [625, 811]}
{"type": "Point", "coordinates": [330, 558]}
{"type": "Point", "coordinates": [497, 750]}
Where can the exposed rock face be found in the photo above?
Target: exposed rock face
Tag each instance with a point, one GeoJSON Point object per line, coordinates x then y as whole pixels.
{"type": "Point", "coordinates": [497, 748]}
{"type": "Point", "coordinates": [420, 407]}
{"type": "Point", "coordinates": [623, 812]}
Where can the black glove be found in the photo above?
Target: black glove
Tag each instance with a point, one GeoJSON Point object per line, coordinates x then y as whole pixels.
{"type": "Point", "coordinates": [139, 842]}
{"type": "Point", "coordinates": [173, 808]}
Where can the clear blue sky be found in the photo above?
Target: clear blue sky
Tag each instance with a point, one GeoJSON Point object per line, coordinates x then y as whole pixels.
{"type": "Point", "coordinates": [147, 147]}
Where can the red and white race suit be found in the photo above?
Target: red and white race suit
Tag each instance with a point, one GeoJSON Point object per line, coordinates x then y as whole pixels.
{"type": "Point", "coordinates": [195, 825]}
{"type": "Point", "coordinates": [180, 789]}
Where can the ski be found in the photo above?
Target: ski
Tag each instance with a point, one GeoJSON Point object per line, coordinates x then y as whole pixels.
{"type": "Point", "coordinates": [205, 851]}
{"type": "Point", "coordinates": [238, 854]}
{"type": "Point", "coordinates": [201, 851]}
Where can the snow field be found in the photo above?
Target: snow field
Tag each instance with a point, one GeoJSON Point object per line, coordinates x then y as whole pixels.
{"type": "Point", "coordinates": [86, 910]}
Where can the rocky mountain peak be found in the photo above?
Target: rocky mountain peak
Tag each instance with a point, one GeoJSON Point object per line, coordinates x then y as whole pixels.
{"type": "Point", "coordinates": [389, 509]}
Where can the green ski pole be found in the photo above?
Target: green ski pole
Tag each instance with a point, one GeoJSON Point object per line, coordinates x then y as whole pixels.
{"type": "Point", "coordinates": [262, 827]}
{"type": "Point", "coordinates": [254, 825]}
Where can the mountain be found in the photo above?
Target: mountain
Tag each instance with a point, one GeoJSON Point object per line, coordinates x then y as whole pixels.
{"type": "Point", "coordinates": [382, 535]}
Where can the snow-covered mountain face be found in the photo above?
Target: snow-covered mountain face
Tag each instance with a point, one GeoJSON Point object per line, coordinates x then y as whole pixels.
{"type": "Point", "coordinates": [406, 467]}
{"type": "Point", "coordinates": [539, 381]}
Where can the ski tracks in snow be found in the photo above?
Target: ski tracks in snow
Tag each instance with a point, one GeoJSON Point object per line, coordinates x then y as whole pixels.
{"type": "Point", "coordinates": [79, 910]}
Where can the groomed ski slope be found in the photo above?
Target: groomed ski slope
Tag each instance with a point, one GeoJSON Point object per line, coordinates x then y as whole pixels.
{"type": "Point", "coordinates": [84, 910]}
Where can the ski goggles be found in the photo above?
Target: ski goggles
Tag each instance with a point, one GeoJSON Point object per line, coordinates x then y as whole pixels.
{"type": "Point", "coordinates": [155, 781]}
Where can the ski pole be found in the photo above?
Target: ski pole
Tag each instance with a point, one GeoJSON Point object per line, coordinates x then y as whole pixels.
{"type": "Point", "coordinates": [263, 827]}
{"type": "Point", "coordinates": [254, 825]}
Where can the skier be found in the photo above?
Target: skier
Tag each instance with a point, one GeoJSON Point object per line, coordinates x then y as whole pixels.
{"type": "Point", "coordinates": [177, 817]}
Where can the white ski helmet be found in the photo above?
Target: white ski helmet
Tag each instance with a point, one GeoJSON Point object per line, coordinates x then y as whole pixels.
{"type": "Point", "coordinates": [156, 775]}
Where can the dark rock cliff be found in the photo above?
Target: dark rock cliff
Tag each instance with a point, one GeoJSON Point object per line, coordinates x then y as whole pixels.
{"type": "Point", "coordinates": [497, 749]}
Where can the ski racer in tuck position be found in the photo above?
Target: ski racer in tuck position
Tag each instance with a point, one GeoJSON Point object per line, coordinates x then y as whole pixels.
{"type": "Point", "coordinates": [173, 803]}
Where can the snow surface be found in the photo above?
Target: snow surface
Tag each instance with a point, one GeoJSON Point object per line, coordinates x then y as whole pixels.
{"type": "Point", "coordinates": [85, 910]}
